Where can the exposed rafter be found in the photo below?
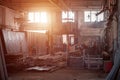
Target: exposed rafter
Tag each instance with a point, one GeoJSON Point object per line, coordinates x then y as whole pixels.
{"type": "Point", "coordinates": [60, 4]}
{"type": "Point", "coordinates": [51, 4]}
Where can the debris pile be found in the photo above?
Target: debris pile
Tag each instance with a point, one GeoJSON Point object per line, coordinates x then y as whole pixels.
{"type": "Point", "coordinates": [15, 62]}
{"type": "Point", "coordinates": [58, 59]}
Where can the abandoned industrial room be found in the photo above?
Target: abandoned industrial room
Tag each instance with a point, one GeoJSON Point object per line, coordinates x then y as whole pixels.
{"type": "Point", "coordinates": [59, 39]}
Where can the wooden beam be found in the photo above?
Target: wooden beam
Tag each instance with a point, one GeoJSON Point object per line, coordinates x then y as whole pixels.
{"type": "Point", "coordinates": [64, 5]}
{"type": "Point", "coordinates": [60, 4]}
{"type": "Point", "coordinates": [55, 4]}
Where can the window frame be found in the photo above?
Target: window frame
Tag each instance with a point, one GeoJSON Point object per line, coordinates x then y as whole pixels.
{"type": "Point", "coordinates": [37, 17]}
{"type": "Point", "coordinates": [68, 16]}
{"type": "Point", "coordinates": [91, 12]}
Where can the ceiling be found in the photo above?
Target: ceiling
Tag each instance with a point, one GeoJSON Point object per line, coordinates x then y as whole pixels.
{"type": "Point", "coordinates": [51, 4]}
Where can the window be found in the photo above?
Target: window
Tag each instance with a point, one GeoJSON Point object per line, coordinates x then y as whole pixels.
{"type": "Point", "coordinates": [71, 39]}
{"type": "Point", "coordinates": [36, 17]}
{"type": "Point", "coordinates": [90, 16]}
{"type": "Point", "coordinates": [64, 39]}
{"type": "Point", "coordinates": [68, 16]}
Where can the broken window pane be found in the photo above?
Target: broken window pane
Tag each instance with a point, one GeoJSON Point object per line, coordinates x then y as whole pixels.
{"type": "Point", "coordinates": [101, 17]}
{"type": "Point", "coordinates": [64, 39]}
{"type": "Point", "coordinates": [43, 17]}
{"type": "Point", "coordinates": [87, 16]}
{"type": "Point", "coordinates": [67, 16]}
{"type": "Point", "coordinates": [93, 16]}
{"type": "Point", "coordinates": [36, 17]}
{"type": "Point", "coordinates": [31, 17]}
{"type": "Point", "coordinates": [90, 16]}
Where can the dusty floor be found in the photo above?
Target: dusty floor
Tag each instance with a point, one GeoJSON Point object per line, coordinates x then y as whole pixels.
{"type": "Point", "coordinates": [61, 74]}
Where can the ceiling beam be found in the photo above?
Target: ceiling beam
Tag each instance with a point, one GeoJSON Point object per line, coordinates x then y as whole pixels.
{"type": "Point", "coordinates": [29, 6]}
{"type": "Point", "coordinates": [42, 4]}
{"type": "Point", "coordinates": [51, 4]}
{"type": "Point", "coordinates": [60, 4]}
{"type": "Point", "coordinates": [55, 4]}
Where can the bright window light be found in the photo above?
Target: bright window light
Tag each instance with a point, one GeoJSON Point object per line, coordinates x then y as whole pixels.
{"type": "Point", "coordinates": [37, 17]}
{"type": "Point", "coordinates": [64, 15]}
{"type": "Point", "coordinates": [87, 16]}
{"type": "Point", "coordinates": [64, 39]}
{"type": "Point", "coordinates": [72, 40]}
{"type": "Point", "coordinates": [37, 31]}
{"type": "Point", "coordinates": [90, 16]}
{"type": "Point", "coordinates": [71, 15]}
{"type": "Point", "coordinates": [68, 16]}
{"type": "Point", "coordinates": [101, 17]}
{"type": "Point", "coordinates": [93, 16]}
{"type": "Point", "coordinates": [43, 18]}
{"type": "Point", "coordinates": [31, 17]}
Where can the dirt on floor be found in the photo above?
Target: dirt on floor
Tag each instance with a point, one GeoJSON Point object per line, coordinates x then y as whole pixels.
{"type": "Point", "coordinates": [61, 74]}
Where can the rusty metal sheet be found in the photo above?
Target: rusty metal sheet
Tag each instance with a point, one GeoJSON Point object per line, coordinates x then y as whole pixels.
{"type": "Point", "coordinates": [15, 42]}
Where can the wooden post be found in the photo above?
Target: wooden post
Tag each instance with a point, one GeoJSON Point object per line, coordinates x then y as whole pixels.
{"type": "Point", "coordinates": [51, 35]}
{"type": "Point", "coordinates": [3, 70]}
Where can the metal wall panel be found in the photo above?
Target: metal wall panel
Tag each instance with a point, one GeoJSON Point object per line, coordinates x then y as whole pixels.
{"type": "Point", "coordinates": [15, 42]}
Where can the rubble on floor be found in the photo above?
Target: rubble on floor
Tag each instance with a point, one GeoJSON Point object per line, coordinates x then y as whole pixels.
{"type": "Point", "coordinates": [14, 62]}
{"type": "Point", "coordinates": [61, 74]}
{"type": "Point", "coordinates": [21, 63]}
{"type": "Point", "coordinates": [58, 59]}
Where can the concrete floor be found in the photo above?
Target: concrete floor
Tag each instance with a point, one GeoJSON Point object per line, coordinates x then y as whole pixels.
{"type": "Point", "coordinates": [61, 74]}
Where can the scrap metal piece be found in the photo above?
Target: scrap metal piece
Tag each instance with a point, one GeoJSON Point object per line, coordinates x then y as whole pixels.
{"type": "Point", "coordinates": [42, 68]}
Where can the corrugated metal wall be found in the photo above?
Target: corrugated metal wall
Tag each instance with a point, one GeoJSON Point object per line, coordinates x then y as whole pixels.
{"type": "Point", "coordinates": [37, 43]}
{"type": "Point", "coordinates": [15, 42]}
